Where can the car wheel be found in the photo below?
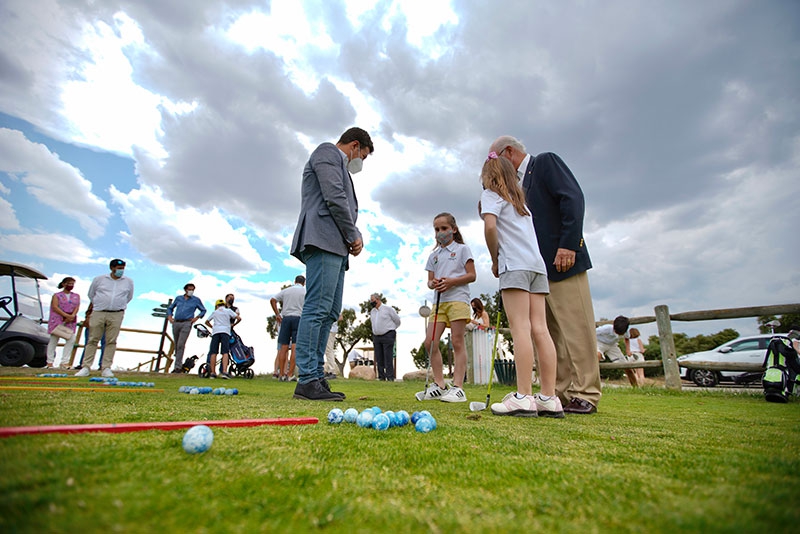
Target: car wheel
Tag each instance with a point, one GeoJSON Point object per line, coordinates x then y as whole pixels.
{"type": "Point", "coordinates": [16, 353]}
{"type": "Point", "coordinates": [705, 378]}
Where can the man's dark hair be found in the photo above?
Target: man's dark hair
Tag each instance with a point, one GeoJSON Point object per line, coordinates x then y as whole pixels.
{"type": "Point", "coordinates": [187, 286]}
{"type": "Point", "coordinates": [299, 279]}
{"type": "Point", "coordinates": [621, 324]}
{"type": "Point", "coordinates": [357, 134]}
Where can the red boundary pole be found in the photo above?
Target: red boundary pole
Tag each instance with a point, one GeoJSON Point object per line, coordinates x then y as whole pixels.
{"type": "Point", "coordinates": [10, 431]}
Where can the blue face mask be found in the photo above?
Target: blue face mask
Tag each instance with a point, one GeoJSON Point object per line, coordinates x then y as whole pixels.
{"type": "Point", "coordinates": [119, 272]}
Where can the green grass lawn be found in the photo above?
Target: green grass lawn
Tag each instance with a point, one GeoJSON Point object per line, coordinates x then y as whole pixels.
{"type": "Point", "coordinates": [649, 461]}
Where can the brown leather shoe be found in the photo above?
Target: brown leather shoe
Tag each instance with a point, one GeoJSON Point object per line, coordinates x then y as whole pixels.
{"type": "Point", "coordinates": [580, 406]}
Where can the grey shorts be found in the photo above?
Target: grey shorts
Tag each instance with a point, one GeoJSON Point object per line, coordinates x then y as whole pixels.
{"type": "Point", "coordinates": [526, 280]}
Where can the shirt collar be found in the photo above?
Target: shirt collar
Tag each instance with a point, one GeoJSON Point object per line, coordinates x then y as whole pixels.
{"type": "Point", "coordinates": [523, 166]}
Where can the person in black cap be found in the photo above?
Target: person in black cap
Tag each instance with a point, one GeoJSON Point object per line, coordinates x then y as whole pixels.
{"type": "Point", "coordinates": [110, 294]}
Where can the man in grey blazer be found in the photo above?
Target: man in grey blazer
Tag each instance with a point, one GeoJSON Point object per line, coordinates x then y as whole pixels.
{"type": "Point", "coordinates": [325, 236]}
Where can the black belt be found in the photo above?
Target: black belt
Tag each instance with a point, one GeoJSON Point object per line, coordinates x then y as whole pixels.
{"type": "Point", "coordinates": [182, 320]}
{"type": "Point", "coordinates": [111, 311]}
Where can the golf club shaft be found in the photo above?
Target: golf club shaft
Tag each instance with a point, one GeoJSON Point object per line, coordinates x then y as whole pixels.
{"type": "Point", "coordinates": [494, 354]}
{"type": "Point", "coordinates": [433, 337]}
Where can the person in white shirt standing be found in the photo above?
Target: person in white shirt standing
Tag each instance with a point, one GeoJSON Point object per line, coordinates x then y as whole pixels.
{"type": "Point", "coordinates": [385, 322]}
{"type": "Point", "coordinates": [288, 320]}
{"type": "Point", "coordinates": [110, 294]}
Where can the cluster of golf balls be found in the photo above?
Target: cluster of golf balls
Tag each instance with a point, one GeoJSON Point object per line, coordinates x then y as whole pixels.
{"type": "Point", "coordinates": [117, 382]}
{"type": "Point", "coordinates": [377, 419]}
{"type": "Point", "coordinates": [192, 390]}
{"type": "Point", "coordinates": [52, 375]}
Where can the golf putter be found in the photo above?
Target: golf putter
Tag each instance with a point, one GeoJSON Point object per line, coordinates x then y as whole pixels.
{"type": "Point", "coordinates": [477, 406]}
{"type": "Point", "coordinates": [420, 395]}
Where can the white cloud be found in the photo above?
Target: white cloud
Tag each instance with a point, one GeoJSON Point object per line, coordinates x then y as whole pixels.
{"type": "Point", "coordinates": [186, 237]}
{"type": "Point", "coordinates": [59, 247]}
{"type": "Point", "coordinates": [54, 183]}
{"type": "Point", "coordinates": [8, 217]}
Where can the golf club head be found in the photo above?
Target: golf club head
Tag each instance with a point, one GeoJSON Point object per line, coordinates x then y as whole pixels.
{"type": "Point", "coordinates": [419, 395]}
{"type": "Point", "coordinates": [477, 406]}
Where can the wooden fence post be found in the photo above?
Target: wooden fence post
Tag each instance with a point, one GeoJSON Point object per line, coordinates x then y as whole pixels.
{"type": "Point", "coordinates": [672, 372]}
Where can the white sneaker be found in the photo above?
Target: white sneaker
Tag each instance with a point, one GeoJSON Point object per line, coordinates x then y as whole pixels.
{"type": "Point", "coordinates": [454, 394]}
{"type": "Point", "coordinates": [511, 405]}
{"type": "Point", "coordinates": [549, 408]}
{"type": "Point", "coordinates": [83, 372]}
{"type": "Point", "coordinates": [433, 392]}
{"type": "Point", "coordinates": [107, 373]}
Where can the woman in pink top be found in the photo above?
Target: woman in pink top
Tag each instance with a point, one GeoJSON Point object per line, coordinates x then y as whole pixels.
{"type": "Point", "coordinates": [63, 311]}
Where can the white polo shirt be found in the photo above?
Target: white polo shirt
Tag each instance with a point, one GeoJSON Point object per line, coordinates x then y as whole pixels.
{"type": "Point", "coordinates": [448, 262]}
{"type": "Point", "coordinates": [519, 249]}
{"type": "Point", "coordinates": [292, 299]}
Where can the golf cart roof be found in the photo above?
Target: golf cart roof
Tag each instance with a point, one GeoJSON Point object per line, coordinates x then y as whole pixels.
{"type": "Point", "coordinates": [8, 268]}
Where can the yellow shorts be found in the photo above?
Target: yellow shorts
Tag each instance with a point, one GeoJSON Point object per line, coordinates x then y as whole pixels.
{"type": "Point", "coordinates": [451, 311]}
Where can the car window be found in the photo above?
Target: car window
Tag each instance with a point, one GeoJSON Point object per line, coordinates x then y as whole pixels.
{"type": "Point", "coordinates": [747, 344]}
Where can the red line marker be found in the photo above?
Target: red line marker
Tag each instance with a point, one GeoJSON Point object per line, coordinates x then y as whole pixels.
{"type": "Point", "coordinates": [9, 431]}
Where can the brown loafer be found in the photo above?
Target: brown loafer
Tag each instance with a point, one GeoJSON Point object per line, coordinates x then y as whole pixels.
{"type": "Point", "coordinates": [580, 406]}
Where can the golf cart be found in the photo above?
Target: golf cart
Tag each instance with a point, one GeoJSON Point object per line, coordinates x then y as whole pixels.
{"type": "Point", "coordinates": [23, 339]}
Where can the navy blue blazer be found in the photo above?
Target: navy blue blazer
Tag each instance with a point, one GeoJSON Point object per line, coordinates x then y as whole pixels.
{"type": "Point", "coordinates": [556, 202]}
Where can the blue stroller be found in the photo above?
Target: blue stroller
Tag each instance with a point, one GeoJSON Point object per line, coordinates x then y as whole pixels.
{"type": "Point", "coordinates": [242, 356]}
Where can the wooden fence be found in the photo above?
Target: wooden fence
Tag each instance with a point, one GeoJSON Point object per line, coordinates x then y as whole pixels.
{"type": "Point", "coordinates": [669, 359]}
{"type": "Point", "coordinates": [152, 364]}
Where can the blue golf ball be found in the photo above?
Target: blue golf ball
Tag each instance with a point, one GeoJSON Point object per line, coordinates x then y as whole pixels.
{"type": "Point", "coordinates": [364, 419]}
{"type": "Point", "coordinates": [229, 392]}
{"type": "Point", "coordinates": [424, 425]}
{"type": "Point", "coordinates": [350, 415]}
{"type": "Point", "coordinates": [415, 417]}
{"type": "Point", "coordinates": [376, 410]}
{"type": "Point", "coordinates": [194, 391]}
{"type": "Point", "coordinates": [182, 389]}
{"type": "Point", "coordinates": [402, 418]}
{"type": "Point", "coordinates": [381, 422]}
{"type": "Point", "coordinates": [433, 421]}
{"type": "Point", "coordinates": [335, 416]}
{"type": "Point", "coordinates": [392, 419]}
{"type": "Point", "coordinates": [198, 439]}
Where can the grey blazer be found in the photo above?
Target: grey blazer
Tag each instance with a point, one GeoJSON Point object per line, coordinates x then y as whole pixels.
{"type": "Point", "coordinates": [329, 208]}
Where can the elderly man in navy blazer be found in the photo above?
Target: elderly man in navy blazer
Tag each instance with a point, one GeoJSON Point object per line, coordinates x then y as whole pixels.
{"type": "Point", "coordinates": [325, 236]}
{"type": "Point", "coordinates": [556, 202]}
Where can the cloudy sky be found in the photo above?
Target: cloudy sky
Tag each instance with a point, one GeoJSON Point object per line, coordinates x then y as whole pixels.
{"type": "Point", "coordinates": [173, 134]}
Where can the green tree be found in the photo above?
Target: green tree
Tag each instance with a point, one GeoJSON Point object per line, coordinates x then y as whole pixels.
{"type": "Point", "coordinates": [788, 321]}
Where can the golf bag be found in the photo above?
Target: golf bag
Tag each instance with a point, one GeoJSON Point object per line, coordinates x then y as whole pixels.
{"type": "Point", "coordinates": [188, 364]}
{"type": "Point", "coordinates": [242, 357]}
{"type": "Point", "coordinates": [782, 377]}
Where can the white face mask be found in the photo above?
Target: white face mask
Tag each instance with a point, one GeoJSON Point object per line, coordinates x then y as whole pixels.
{"type": "Point", "coordinates": [189, 293]}
{"type": "Point", "coordinates": [355, 164]}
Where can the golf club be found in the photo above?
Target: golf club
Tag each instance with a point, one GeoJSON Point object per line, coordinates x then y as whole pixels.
{"type": "Point", "coordinates": [420, 395]}
{"type": "Point", "coordinates": [477, 406]}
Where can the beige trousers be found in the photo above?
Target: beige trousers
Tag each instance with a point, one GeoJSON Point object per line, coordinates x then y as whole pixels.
{"type": "Point", "coordinates": [108, 323]}
{"type": "Point", "coordinates": [570, 319]}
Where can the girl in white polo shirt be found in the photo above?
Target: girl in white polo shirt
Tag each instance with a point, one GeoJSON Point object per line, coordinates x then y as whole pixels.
{"type": "Point", "coordinates": [516, 261]}
{"type": "Point", "coordinates": [450, 271]}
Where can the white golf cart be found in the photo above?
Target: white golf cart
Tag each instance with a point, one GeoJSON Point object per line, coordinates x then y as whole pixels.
{"type": "Point", "coordinates": [23, 339]}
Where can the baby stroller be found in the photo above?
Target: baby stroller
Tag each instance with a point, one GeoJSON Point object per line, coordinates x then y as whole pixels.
{"type": "Point", "coordinates": [242, 357]}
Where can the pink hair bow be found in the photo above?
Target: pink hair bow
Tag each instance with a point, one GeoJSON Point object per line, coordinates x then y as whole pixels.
{"type": "Point", "coordinates": [492, 155]}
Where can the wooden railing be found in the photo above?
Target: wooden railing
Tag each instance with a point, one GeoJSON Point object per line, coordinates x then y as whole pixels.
{"type": "Point", "coordinates": [152, 363]}
{"type": "Point", "coordinates": [669, 359]}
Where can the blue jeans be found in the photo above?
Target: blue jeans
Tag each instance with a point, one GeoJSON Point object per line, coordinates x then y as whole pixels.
{"type": "Point", "coordinates": [323, 303]}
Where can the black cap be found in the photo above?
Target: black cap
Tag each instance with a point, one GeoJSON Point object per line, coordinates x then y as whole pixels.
{"type": "Point", "coordinates": [116, 263]}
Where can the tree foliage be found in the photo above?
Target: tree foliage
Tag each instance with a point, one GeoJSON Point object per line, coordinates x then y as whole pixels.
{"type": "Point", "coordinates": [789, 321]}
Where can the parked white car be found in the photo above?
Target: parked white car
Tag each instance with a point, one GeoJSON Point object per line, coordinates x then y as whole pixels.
{"type": "Point", "coordinates": [751, 349]}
